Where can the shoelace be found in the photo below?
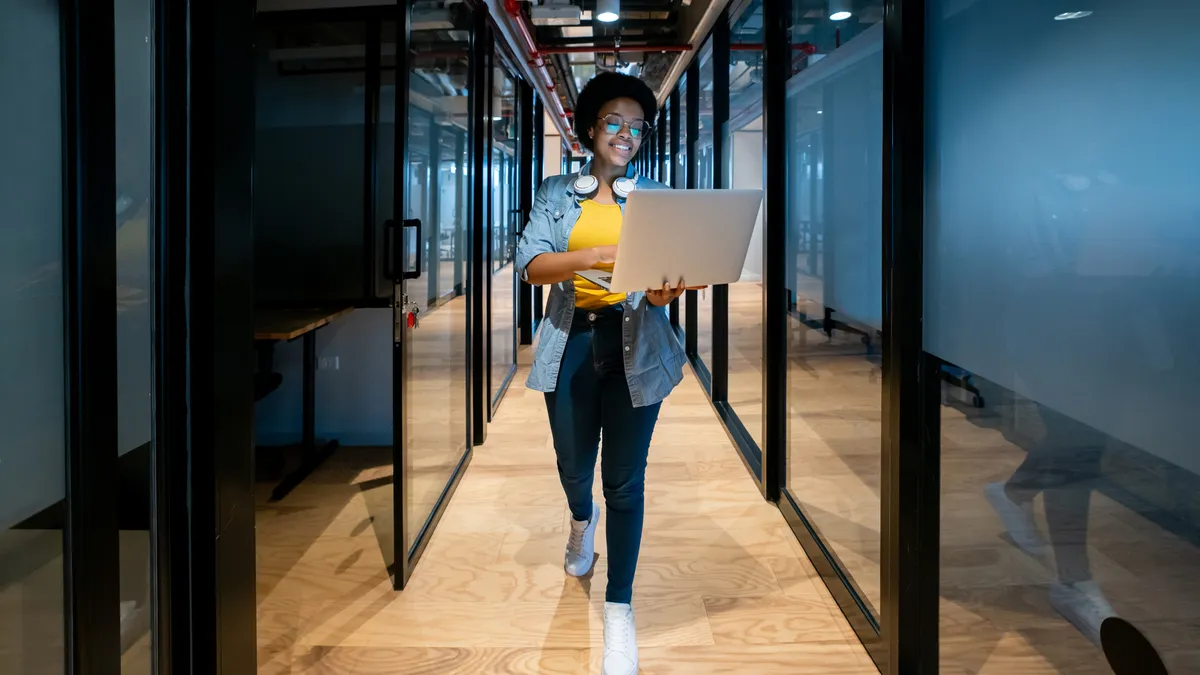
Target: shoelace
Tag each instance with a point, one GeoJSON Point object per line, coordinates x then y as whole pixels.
{"type": "Point", "coordinates": [575, 543]}
{"type": "Point", "coordinates": [616, 627]}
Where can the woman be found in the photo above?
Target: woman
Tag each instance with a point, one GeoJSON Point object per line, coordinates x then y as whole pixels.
{"type": "Point", "coordinates": [604, 361]}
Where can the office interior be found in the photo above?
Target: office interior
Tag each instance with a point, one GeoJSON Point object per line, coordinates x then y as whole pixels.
{"type": "Point", "coordinates": [939, 425]}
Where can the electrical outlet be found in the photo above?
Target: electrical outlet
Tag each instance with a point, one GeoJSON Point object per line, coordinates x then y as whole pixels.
{"type": "Point", "coordinates": [328, 363]}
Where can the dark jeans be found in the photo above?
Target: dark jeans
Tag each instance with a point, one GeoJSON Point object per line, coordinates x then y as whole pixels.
{"type": "Point", "coordinates": [592, 399]}
{"type": "Point", "coordinates": [1064, 466]}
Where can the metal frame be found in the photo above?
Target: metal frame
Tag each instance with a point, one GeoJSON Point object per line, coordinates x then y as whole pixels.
{"type": "Point", "coordinates": [692, 130]}
{"type": "Point", "coordinates": [90, 546]}
{"type": "Point", "coordinates": [777, 70]}
{"type": "Point", "coordinates": [526, 186]}
{"type": "Point", "coordinates": [172, 619]}
{"type": "Point", "coordinates": [911, 487]}
{"type": "Point", "coordinates": [220, 316]}
{"type": "Point", "coordinates": [539, 141]}
{"type": "Point", "coordinates": [477, 299]}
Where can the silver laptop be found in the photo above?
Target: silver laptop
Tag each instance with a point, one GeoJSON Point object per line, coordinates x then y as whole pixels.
{"type": "Point", "coordinates": [701, 236]}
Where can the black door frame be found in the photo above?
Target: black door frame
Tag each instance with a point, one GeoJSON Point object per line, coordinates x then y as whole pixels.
{"type": "Point", "coordinates": [91, 552]}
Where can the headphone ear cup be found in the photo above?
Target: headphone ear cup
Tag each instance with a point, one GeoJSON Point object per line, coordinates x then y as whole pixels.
{"type": "Point", "coordinates": [623, 186]}
{"type": "Point", "coordinates": [586, 185]}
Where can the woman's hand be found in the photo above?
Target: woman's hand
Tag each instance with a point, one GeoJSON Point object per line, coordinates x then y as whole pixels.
{"type": "Point", "coordinates": [602, 256]}
{"type": "Point", "coordinates": [664, 296]}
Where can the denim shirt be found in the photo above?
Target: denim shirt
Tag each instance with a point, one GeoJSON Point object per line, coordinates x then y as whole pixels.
{"type": "Point", "coordinates": [653, 356]}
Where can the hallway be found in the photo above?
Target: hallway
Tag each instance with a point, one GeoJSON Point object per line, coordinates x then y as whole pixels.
{"type": "Point", "coordinates": [722, 585]}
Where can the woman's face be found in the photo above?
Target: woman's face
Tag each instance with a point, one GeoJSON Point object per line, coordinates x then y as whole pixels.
{"type": "Point", "coordinates": [618, 131]}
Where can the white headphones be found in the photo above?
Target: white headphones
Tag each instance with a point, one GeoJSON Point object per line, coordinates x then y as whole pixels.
{"type": "Point", "coordinates": [587, 184]}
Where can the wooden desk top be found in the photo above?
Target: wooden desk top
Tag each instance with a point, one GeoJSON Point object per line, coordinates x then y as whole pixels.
{"type": "Point", "coordinates": [289, 324]}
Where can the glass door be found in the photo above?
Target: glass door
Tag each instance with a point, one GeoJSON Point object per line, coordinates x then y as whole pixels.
{"type": "Point", "coordinates": [424, 121]}
{"type": "Point", "coordinates": [503, 221]}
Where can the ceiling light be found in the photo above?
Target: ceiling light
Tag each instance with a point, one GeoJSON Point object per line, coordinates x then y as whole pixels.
{"type": "Point", "coordinates": [839, 10]}
{"type": "Point", "coordinates": [608, 11]}
{"type": "Point", "coordinates": [1067, 16]}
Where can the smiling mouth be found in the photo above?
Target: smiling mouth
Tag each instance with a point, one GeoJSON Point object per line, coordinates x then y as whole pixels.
{"type": "Point", "coordinates": [621, 146]}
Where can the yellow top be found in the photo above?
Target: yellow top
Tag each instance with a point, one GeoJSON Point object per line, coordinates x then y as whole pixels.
{"type": "Point", "coordinates": [598, 225]}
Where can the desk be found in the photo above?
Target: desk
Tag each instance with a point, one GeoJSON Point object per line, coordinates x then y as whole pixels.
{"type": "Point", "coordinates": [271, 326]}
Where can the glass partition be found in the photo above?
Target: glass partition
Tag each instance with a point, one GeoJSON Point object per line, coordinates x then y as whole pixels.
{"type": "Point", "coordinates": [437, 357]}
{"type": "Point", "coordinates": [32, 396]}
{"type": "Point", "coordinates": [834, 282]}
{"type": "Point", "coordinates": [503, 220]}
{"type": "Point", "coordinates": [703, 165]}
{"type": "Point", "coordinates": [1062, 260]}
{"type": "Point", "coordinates": [744, 169]}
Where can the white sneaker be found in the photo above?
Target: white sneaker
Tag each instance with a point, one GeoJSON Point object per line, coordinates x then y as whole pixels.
{"type": "Point", "coordinates": [620, 640]}
{"type": "Point", "coordinates": [1017, 519]}
{"type": "Point", "coordinates": [581, 545]}
{"type": "Point", "coordinates": [1084, 605]}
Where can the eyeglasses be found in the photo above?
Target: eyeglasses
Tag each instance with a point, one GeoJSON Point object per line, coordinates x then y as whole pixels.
{"type": "Point", "coordinates": [613, 123]}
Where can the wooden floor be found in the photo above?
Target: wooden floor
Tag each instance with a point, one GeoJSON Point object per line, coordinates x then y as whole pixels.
{"type": "Point", "coordinates": [722, 586]}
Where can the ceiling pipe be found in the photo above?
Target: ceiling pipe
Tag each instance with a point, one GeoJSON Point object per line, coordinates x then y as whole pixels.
{"type": "Point", "coordinates": [613, 49]}
{"type": "Point", "coordinates": [708, 19]}
{"type": "Point", "coordinates": [511, 23]}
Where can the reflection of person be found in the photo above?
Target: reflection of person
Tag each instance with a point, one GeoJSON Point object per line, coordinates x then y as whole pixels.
{"type": "Point", "coordinates": [1064, 463]}
{"type": "Point", "coordinates": [1063, 466]}
{"type": "Point", "coordinates": [604, 361]}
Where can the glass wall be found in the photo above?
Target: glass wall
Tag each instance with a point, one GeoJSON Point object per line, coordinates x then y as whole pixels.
{"type": "Point", "coordinates": [503, 186]}
{"type": "Point", "coordinates": [703, 165]}
{"type": "Point", "coordinates": [436, 385]}
{"type": "Point", "coordinates": [1062, 261]}
{"type": "Point", "coordinates": [32, 398]}
{"type": "Point", "coordinates": [744, 169]}
{"type": "Point", "coordinates": [834, 283]}
{"type": "Point", "coordinates": [683, 167]}
{"type": "Point", "coordinates": [134, 80]}
{"type": "Point", "coordinates": [309, 149]}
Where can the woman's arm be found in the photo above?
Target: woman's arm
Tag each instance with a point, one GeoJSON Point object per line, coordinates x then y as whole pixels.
{"type": "Point", "coordinates": [553, 268]}
{"type": "Point", "coordinates": [537, 261]}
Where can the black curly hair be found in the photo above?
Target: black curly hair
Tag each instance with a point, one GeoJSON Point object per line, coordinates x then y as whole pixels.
{"type": "Point", "coordinates": [604, 88]}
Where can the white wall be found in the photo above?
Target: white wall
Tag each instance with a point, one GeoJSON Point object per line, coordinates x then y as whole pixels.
{"type": "Point", "coordinates": [746, 162]}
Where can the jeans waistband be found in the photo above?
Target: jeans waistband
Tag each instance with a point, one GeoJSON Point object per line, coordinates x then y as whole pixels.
{"type": "Point", "coordinates": [596, 317]}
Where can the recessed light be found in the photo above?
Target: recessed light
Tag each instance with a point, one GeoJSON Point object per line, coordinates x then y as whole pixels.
{"type": "Point", "coordinates": [608, 11]}
{"type": "Point", "coordinates": [839, 16]}
{"type": "Point", "coordinates": [820, 112]}
{"type": "Point", "coordinates": [1067, 16]}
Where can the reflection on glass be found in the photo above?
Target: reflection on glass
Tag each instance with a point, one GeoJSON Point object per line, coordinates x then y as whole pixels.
{"type": "Point", "coordinates": [834, 262]}
{"type": "Point", "coordinates": [503, 240]}
{"type": "Point", "coordinates": [32, 454]}
{"type": "Point", "coordinates": [744, 168]}
{"type": "Point", "coordinates": [134, 73]}
{"type": "Point", "coordinates": [437, 357]}
{"type": "Point", "coordinates": [704, 181]}
{"type": "Point", "coordinates": [1061, 291]}
{"type": "Point", "coordinates": [308, 173]}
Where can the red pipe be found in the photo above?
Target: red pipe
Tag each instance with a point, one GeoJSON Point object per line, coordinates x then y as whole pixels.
{"type": "Point", "coordinates": [513, 7]}
{"type": "Point", "coordinates": [613, 49]}
{"type": "Point", "coordinates": [806, 47]}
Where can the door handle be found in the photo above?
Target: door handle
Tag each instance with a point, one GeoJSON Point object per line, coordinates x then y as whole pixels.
{"type": "Point", "coordinates": [415, 223]}
{"type": "Point", "coordinates": [393, 250]}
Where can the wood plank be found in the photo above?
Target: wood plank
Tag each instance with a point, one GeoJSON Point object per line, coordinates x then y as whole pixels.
{"type": "Point", "coordinates": [289, 324]}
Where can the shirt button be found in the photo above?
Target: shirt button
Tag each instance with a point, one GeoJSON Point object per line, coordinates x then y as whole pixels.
{"type": "Point", "coordinates": [626, 347]}
{"type": "Point", "coordinates": [626, 319]}
{"type": "Point", "coordinates": [591, 317]}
